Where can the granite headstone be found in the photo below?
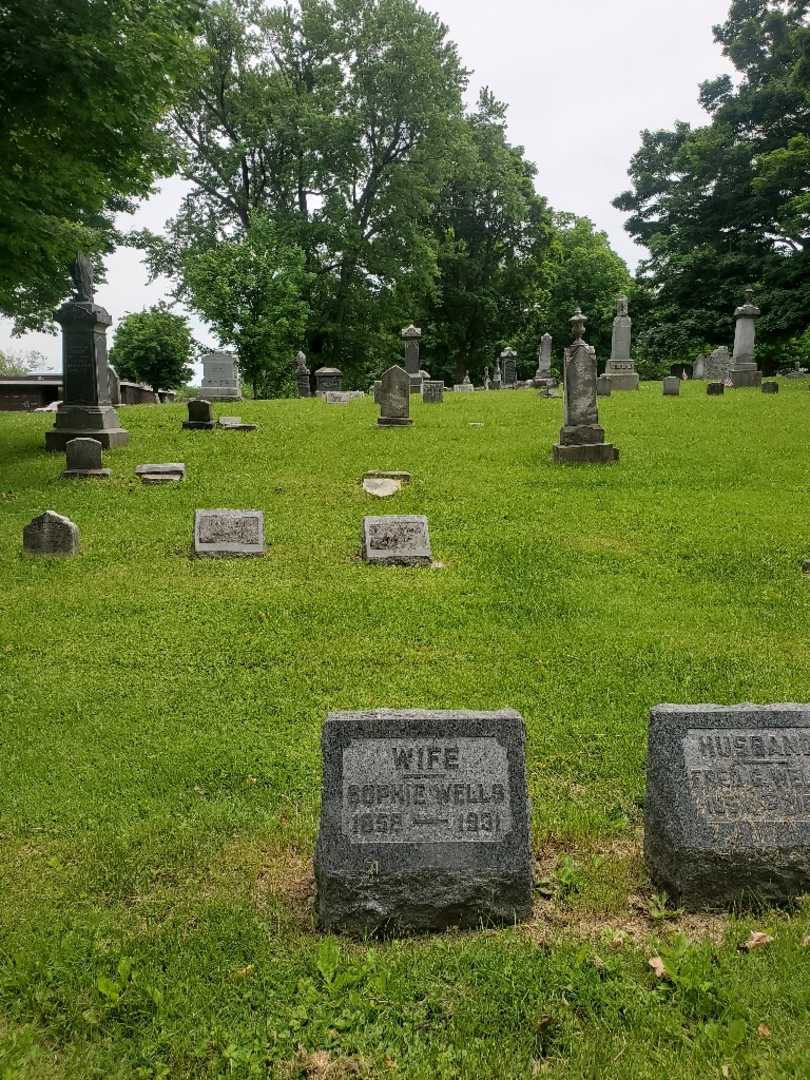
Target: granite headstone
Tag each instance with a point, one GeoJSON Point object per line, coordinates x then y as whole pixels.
{"type": "Point", "coordinates": [200, 415]}
{"type": "Point", "coordinates": [51, 534]}
{"type": "Point", "coordinates": [228, 532]}
{"type": "Point", "coordinates": [399, 540]}
{"type": "Point", "coordinates": [83, 459]}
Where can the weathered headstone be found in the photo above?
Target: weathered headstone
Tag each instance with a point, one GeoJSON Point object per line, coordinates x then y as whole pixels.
{"type": "Point", "coordinates": [85, 410]}
{"type": "Point", "coordinates": [228, 532]}
{"type": "Point", "coordinates": [671, 386]}
{"type": "Point", "coordinates": [83, 458]}
{"type": "Point", "coordinates": [727, 819]}
{"type": "Point", "coordinates": [543, 377]}
{"type": "Point", "coordinates": [399, 540]}
{"type": "Point", "coordinates": [509, 367]}
{"type": "Point", "coordinates": [328, 378]}
{"type": "Point", "coordinates": [744, 370]}
{"type": "Point", "coordinates": [375, 391]}
{"type": "Point", "coordinates": [715, 389]}
{"type": "Point", "coordinates": [465, 387]}
{"type": "Point", "coordinates": [699, 367]}
{"type": "Point", "coordinates": [433, 392]}
{"type": "Point", "coordinates": [167, 473]}
{"type": "Point", "coordinates": [337, 397]}
{"type": "Point", "coordinates": [603, 386]}
{"type": "Point", "coordinates": [395, 393]}
{"type": "Point", "coordinates": [770, 388]}
{"type": "Point", "coordinates": [620, 369]}
{"type": "Point", "coordinates": [302, 376]}
{"type": "Point", "coordinates": [220, 377]}
{"type": "Point", "coordinates": [234, 423]}
{"type": "Point", "coordinates": [582, 440]}
{"type": "Point", "coordinates": [497, 379]}
{"type": "Point", "coordinates": [486, 378]}
{"type": "Point", "coordinates": [51, 534]}
{"type": "Point", "coordinates": [115, 385]}
{"type": "Point", "coordinates": [718, 364]}
{"type": "Point", "coordinates": [411, 335]}
{"type": "Point", "coordinates": [200, 415]}
{"type": "Point", "coordinates": [424, 822]}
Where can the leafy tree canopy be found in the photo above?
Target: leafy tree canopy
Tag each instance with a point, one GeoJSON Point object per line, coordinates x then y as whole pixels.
{"type": "Point", "coordinates": [153, 346]}
{"type": "Point", "coordinates": [84, 85]}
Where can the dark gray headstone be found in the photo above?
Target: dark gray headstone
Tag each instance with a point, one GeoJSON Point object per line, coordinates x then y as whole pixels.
{"type": "Point", "coordinates": [714, 389]}
{"type": "Point", "coordinates": [770, 388]}
{"type": "Point", "coordinates": [394, 398]}
{"type": "Point", "coordinates": [200, 415]}
{"type": "Point", "coordinates": [328, 378]}
{"type": "Point", "coordinates": [433, 392]}
{"type": "Point", "coordinates": [397, 540]}
{"type": "Point", "coordinates": [671, 386]}
{"type": "Point", "coordinates": [83, 458]}
{"type": "Point", "coordinates": [603, 386]}
{"type": "Point", "coordinates": [509, 367]}
{"type": "Point", "coordinates": [228, 532]}
{"type": "Point", "coordinates": [424, 821]}
{"type": "Point", "coordinates": [727, 819]}
{"type": "Point", "coordinates": [51, 534]}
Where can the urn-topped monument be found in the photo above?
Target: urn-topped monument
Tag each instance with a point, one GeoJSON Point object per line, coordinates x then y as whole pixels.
{"type": "Point", "coordinates": [582, 440]}
{"type": "Point", "coordinates": [620, 369]}
{"type": "Point", "coordinates": [85, 410]}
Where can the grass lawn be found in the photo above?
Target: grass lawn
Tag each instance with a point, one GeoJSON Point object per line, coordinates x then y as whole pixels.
{"type": "Point", "coordinates": [161, 717]}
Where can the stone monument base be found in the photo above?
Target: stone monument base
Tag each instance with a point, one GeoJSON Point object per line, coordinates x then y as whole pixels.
{"type": "Point", "coordinates": [742, 377]}
{"type": "Point", "coordinates": [99, 474]}
{"type": "Point", "coordinates": [394, 421]}
{"type": "Point", "coordinates": [622, 380]}
{"type": "Point", "coordinates": [585, 454]}
{"type": "Point", "coordinates": [200, 425]}
{"type": "Point", "coordinates": [221, 393]}
{"type": "Point", "coordinates": [99, 422]}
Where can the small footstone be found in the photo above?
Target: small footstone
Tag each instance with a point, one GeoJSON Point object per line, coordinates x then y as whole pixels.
{"type": "Point", "coordinates": [727, 819]}
{"type": "Point", "coordinates": [51, 534]}
{"type": "Point", "coordinates": [603, 386]}
{"type": "Point", "coordinates": [228, 532]}
{"type": "Point", "coordinates": [382, 488]}
{"type": "Point", "coordinates": [200, 415]}
{"type": "Point", "coordinates": [715, 389]}
{"type": "Point", "coordinates": [168, 473]}
{"type": "Point", "coordinates": [424, 822]}
{"type": "Point", "coordinates": [770, 388]}
{"type": "Point", "coordinates": [83, 458]}
{"type": "Point", "coordinates": [399, 540]}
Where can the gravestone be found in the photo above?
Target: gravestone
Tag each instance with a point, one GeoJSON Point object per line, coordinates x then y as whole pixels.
{"type": "Point", "coordinates": [200, 415]}
{"type": "Point", "coordinates": [582, 440]}
{"type": "Point", "coordinates": [770, 388]}
{"type": "Point", "coordinates": [497, 380]}
{"type": "Point", "coordinates": [744, 370]}
{"type": "Point", "coordinates": [543, 377]}
{"type": "Point", "coordinates": [465, 387]}
{"type": "Point", "coordinates": [115, 385]}
{"type": "Point", "coordinates": [424, 822]}
{"type": "Point", "coordinates": [399, 540]}
{"type": "Point", "coordinates": [671, 386]}
{"type": "Point", "coordinates": [328, 378]}
{"type": "Point", "coordinates": [699, 367]}
{"type": "Point", "coordinates": [220, 378]}
{"type": "Point", "coordinates": [715, 389]}
{"type": "Point", "coordinates": [228, 532]}
{"type": "Point", "coordinates": [620, 369]}
{"type": "Point", "coordinates": [84, 459]}
{"type": "Point", "coordinates": [509, 367]}
{"type": "Point", "coordinates": [302, 376]}
{"type": "Point", "coordinates": [727, 818]}
{"type": "Point", "coordinates": [337, 397]}
{"type": "Point", "coordinates": [602, 386]}
{"type": "Point", "coordinates": [51, 534]}
{"type": "Point", "coordinates": [718, 364]}
{"type": "Point", "coordinates": [169, 472]}
{"type": "Point", "coordinates": [234, 423]}
{"type": "Point", "coordinates": [375, 391]}
{"type": "Point", "coordinates": [411, 336]}
{"type": "Point", "coordinates": [486, 378]}
{"type": "Point", "coordinates": [85, 410]}
{"type": "Point", "coordinates": [395, 393]}
{"type": "Point", "coordinates": [433, 392]}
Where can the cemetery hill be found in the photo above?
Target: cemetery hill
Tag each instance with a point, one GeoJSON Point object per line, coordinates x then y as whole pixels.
{"type": "Point", "coordinates": [411, 680]}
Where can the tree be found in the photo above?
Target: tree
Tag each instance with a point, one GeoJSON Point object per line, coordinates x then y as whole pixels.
{"type": "Point", "coordinates": [153, 346]}
{"type": "Point", "coordinates": [84, 86]}
{"type": "Point", "coordinates": [250, 289]}
{"type": "Point", "coordinates": [333, 119]}
{"type": "Point", "coordinates": [21, 364]}
{"type": "Point", "coordinates": [492, 232]}
{"type": "Point", "coordinates": [727, 205]}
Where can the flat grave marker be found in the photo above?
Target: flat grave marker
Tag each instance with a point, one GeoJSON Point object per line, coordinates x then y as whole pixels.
{"type": "Point", "coordinates": [220, 533]}
{"type": "Point", "coordinates": [396, 540]}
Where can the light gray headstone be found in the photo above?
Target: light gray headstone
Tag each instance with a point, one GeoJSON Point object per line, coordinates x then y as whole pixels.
{"type": "Point", "coordinates": [234, 423]}
{"type": "Point", "coordinates": [229, 532]}
{"type": "Point", "coordinates": [398, 540]}
{"type": "Point", "coordinates": [424, 821]}
{"type": "Point", "coordinates": [727, 818]}
{"type": "Point", "coordinates": [51, 534]}
{"type": "Point", "coordinates": [220, 376]}
{"type": "Point", "coordinates": [671, 386]}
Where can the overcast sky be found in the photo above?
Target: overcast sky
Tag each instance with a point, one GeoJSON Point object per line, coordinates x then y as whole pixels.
{"type": "Point", "coordinates": [582, 78]}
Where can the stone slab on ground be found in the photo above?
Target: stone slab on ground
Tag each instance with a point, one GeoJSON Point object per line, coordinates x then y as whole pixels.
{"type": "Point", "coordinates": [234, 423]}
{"type": "Point", "coordinates": [396, 540]}
{"type": "Point", "coordinates": [228, 532]}
{"type": "Point", "coordinates": [51, 534]}
{"type": "Point", "coordinates": [727, 819]}
{"type": "Point", "coordinates": [393, 474]}
{"type": "Point", "coordinates": [424, 822]}
{"type": "Point", "coordinates": [381, 487]}
{"type": "Point", "coordinates": [169, 472]}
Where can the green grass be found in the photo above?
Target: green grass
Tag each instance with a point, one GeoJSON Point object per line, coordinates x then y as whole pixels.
{"type": "Point", "coordinates": [161, 716]}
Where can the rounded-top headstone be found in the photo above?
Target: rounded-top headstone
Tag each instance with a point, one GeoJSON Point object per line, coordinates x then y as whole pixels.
{"type": "Point", "coordinates": [51, 534]}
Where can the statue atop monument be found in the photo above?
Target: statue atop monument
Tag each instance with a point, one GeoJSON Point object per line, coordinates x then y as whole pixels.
{"type": "Point", "coordinates": [82, 273]}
